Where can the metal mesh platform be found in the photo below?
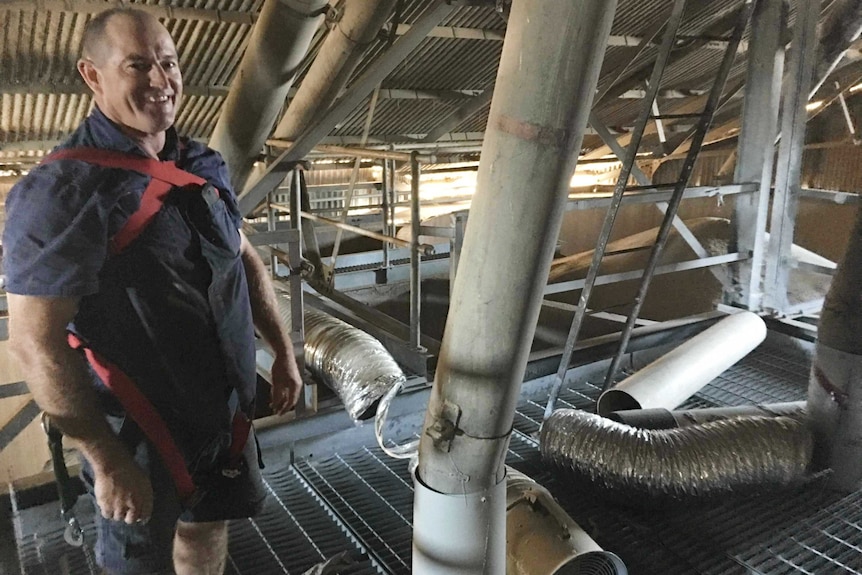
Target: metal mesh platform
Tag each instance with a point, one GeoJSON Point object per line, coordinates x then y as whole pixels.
{"type": "Point", "coordinates": [362, 501]}
{"type": "Point", "coordinates": [293, 533]}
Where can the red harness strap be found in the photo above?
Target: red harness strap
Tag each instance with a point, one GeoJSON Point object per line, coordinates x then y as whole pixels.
{"type": "Point", "coordinates": [164, 176]}
{"type": "Point", "coordinates": [144, 414]}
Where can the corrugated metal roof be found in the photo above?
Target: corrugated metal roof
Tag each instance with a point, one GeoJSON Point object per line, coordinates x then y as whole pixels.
{"type": "Point", "coordinates": [42, 97]}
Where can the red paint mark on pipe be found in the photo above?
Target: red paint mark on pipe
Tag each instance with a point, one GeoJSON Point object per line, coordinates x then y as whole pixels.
{"type": "Point", "coordinates": [838, 396]}
{"type": "Point", "coordinates": [530, 132]}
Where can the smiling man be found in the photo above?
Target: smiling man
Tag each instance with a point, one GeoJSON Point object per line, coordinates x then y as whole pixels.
{"type": "Point", "coordinates": [123, 251]}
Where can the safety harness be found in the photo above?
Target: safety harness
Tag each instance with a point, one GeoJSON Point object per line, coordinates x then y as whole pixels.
{"type": "Point", "coordinates": [165, 175]}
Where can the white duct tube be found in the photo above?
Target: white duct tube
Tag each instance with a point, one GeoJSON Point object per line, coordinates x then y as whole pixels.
{"type": "Point", "coordinates": [835, 409]}
{"type": "Point", "coordinates": [541, 538]}
{"type": "Point", "coordinates": [676, 376]}
{"type": "Point", "coordinates": [458, 534]}
{"type": "Point", "coordinates": [659, 418]}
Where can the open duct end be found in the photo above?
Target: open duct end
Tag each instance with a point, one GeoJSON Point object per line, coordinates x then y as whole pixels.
{"type": "Point", "coordinates": [616, 400]}
{"type": "Point", "coordinates": [594, 563]}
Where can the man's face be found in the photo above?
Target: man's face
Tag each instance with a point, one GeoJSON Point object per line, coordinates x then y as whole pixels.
{"type": "Point", "coordinates": [135, 76]}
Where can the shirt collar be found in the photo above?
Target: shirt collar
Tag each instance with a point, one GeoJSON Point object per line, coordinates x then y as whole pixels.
{"type": "Point", "coordinates": [108, 134]}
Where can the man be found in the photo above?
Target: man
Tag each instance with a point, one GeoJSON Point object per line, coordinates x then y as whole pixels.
{"type": "Point", "coordinates": [170, 311]}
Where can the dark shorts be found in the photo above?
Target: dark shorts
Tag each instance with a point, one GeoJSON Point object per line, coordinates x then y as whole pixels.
{"type": "Point", "coordinates": [147, 548]}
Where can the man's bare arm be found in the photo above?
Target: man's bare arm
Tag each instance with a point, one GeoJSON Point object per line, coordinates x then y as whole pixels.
{"type": "Point", "coordinates": [286, 379]}
{"type": "Point", "coordinates": [60, 383]}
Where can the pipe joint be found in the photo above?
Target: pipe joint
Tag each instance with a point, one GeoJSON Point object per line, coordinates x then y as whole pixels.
{"type": "Point", "coordinates": [445, 426]}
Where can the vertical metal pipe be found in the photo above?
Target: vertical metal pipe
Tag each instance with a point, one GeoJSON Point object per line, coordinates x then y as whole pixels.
{"type": "Point", "coordinates": [835, 384]}
{"type": "Point", "coordinates": [756, 154]}
{"type": "Point", "coordinates": [789, 168]}
{"type": "Point", "coordinates": [545, 85]}
{"type": "Point", "coordinates": [456, 245]}
{"type": "Point", "coordinates": [297, 317]}
{"type": "Point", "coordinates": [393, 200]}
{"type": "Point", "coordinates": [271, 224]}
{"type": "Point", "coordinates": [384, 209]}
{"type": "Point", "coordinates": [415, 255]}
{"type": "Point", "coordinates": [278, 44]}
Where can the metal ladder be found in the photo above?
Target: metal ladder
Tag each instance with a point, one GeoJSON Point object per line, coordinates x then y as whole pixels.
{"type": "Point", "coordinates": [669, 40]}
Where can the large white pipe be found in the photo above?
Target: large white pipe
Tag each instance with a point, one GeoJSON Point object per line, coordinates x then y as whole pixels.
{"type": "Point", "coordinates": [545, 84]}
{"type": "Point", "coordinates": [676, 376]}
{"type": "Point", "coordinates": [278, 43]}
{"type": "Point", "coordinates": [459, 535]}
{"type": "Point", "coordinates": [541, 538]}
{"type": "Point", "coordinates": [835, 384]}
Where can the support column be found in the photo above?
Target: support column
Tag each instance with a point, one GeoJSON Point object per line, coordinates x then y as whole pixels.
{"type": "Point", "coordinates": [756, 152]}
{"type": "Point", "coordinates": [545, 86]}
{"type": "Point", "coordinates": [415, 255]}
{"type": "Point", "coordinates": [278, 44]}
{"type": "Point", "coordinates": [789, 168]}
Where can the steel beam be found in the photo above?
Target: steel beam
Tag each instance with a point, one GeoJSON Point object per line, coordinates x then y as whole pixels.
{"type": "Point", "coordinates": [615, 40]}
{"type": "Point", "coordinates": [164, 12]}
{"type": "Point", "coordinates": [644, 180]}
{"type": "Point", "coordinates": [636, 274]}
{"type": "Point", "coordinates": [756, 147]}
{"type": "Point", "coordinates": [354, 95]}
{"type": "Point", "coordinates": [458, 116]}
{"type": "Point", "coordinates": [789, 165]}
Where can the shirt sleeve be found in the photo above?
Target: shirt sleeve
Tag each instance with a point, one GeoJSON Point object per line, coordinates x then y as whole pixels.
{"type": "Point", "coordinates": [56, 233]}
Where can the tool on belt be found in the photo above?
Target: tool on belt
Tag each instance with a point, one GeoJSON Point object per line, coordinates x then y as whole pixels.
{"type": "Point", "coordinates": [73, 533]}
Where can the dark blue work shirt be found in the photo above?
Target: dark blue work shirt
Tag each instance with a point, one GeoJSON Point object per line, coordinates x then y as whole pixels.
{"type": "Point", "coordinates": [172, 310]}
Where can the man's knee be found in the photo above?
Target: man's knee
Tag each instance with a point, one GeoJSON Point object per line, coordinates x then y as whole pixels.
{"type": "Point", "coordinates": [200, 548]}
{"type": "Point", "coordinates": [204, 533]}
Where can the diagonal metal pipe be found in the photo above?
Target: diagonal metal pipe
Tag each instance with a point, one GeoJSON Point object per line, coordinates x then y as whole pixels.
{"type": "Point", "coordinates": [545, 84]}
{"type": "Point", "coordinates": [278, 44]}
{"type": "Point", "coordinates": [335, 62]}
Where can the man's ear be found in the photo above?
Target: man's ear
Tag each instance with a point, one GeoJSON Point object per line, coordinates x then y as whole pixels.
{"type": "Point", "coordinates": [90, 74]}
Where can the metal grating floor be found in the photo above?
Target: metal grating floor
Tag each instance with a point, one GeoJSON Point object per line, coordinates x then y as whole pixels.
{"type": "Point", "coordinates": [294, 533]}
{"type": "Point", "coordinates": [362, 501]}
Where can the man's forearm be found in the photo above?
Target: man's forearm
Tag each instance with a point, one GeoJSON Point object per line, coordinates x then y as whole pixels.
{"type": "Point", "coordinates": [57, 375]}
{"type": "Point", "coordinates": [61, 386]}
{"type": "Point", "coordinates": [264, 305]}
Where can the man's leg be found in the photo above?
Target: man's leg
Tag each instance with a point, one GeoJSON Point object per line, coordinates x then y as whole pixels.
{"type": "Point", "coordinates": [200, 548]}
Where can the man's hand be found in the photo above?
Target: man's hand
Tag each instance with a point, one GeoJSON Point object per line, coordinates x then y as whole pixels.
{"type": "Point", "coordinates": [123, 492]}
{"type": "Point", "coordinates": [286, 384]}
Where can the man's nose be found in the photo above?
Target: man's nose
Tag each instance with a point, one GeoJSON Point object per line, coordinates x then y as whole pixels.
{"type": "Point", "coordinates": [159, 77]}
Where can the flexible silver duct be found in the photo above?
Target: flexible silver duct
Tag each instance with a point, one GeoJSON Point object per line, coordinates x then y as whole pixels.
{"type": "Point", "coordinates": [718, 458]}
{"type": "Point", "coordinates": [347, 360]}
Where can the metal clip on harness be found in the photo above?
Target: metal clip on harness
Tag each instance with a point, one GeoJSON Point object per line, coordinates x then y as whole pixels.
{"type": "Point", "coordinates": [73, 533]}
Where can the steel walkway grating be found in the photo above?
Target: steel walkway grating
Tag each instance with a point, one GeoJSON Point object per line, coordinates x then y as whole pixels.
{"type": "Point", "coordinates": [41, 547]}
{"type": "Point", "coordinates": [830, 540]}
{"type": "Point", "coordinates": [373, 495]}
{"type": "Point", "coordinates": [292, 534]}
